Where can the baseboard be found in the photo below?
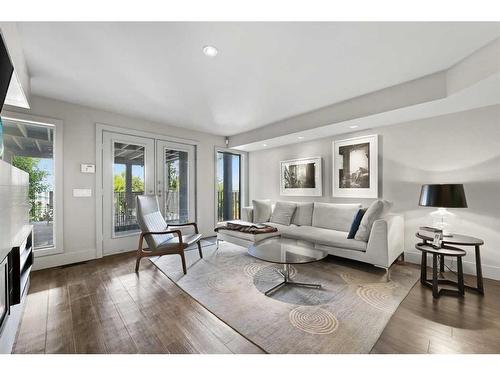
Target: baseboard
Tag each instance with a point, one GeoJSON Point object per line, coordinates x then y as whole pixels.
{"type": "Point", "coordinates": [69, 257]}
{"type": "Point", "coordinates": [490, 272]}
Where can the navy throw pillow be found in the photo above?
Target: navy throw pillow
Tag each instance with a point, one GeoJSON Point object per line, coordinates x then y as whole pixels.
{"type": "Point", "coordinates": [356, 222]}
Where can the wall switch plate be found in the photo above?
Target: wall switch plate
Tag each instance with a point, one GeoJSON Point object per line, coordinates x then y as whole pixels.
{"type": "Point", "coordinates": [82, 193]}
{"type": "Point", "coordinates": [87, 168]}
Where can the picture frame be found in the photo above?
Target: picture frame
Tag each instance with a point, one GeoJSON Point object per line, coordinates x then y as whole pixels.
{"type": "Point", "coordinates": [355, 167]}
{"type": "Point", "coordinates": [301, 177]}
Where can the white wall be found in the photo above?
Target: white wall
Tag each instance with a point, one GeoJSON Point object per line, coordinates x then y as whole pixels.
{"type": "Point", "coordinates": [79, 147]}
{"type": "Point", "coordinates": [461, 148]}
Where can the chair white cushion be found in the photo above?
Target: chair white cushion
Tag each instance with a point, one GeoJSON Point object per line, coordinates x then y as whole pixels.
{"type": "Point", "coordinates": [154, 222]}
{"type": "Point", "coordinates": [174, 241]}
{"type": "Point", "coordinates": [334, 216]}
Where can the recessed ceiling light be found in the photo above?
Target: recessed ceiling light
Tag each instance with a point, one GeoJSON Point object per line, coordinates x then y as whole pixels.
{"type": "Point", "coordinates": [210, 51]}
{"type": "Point", "coordinates": [300, 137]}
{"type": "Point", "coordinates": [264, 145]}
{"type": "Point", "coordinates": [353, 126]}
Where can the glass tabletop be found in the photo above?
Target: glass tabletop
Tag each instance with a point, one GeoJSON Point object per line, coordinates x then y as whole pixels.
{"type": "Point", "coordinates": [286, 251]}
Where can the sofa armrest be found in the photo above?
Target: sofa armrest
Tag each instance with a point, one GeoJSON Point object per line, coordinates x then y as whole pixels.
{"type": "Point", "coordinates": [386, 240]}
{"type": "Point", "coordinates": [247, 214]}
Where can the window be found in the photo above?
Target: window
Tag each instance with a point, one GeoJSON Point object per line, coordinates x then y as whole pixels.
{"type": "Point", "coordinates": [228, 186]}
{"type": "Point", "coordinates": [30, 147]}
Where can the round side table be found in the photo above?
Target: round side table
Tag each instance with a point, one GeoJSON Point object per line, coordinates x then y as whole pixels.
{"type": "Point", "coordinates": [444, 251]}
{"type": "Point", "coordinates": [461, 240]}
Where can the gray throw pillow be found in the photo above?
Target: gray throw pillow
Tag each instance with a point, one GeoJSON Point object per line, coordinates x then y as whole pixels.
{"type": "Point", "coordinates": [283, 212]}
{"type": "Point", "coordinates": [262, 210]}
{"type": "Point", "coordinates": [303, 213]}
{"type": "Point", "coordinates": [374, 212]}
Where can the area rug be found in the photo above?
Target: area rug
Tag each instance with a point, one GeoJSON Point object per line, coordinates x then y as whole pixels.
{"type": "Point", "coordinates": [347, 315]}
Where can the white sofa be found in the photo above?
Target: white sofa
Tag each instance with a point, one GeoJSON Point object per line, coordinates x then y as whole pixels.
{"type": "Point", "coordinates": [327, 226]}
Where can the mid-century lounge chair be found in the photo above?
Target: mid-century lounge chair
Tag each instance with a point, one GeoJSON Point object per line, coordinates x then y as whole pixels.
{"type": "Point", "coordinates": [162, 238]}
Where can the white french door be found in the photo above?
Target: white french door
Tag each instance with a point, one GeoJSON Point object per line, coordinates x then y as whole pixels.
{"type": "Point", "coordinates": [134, 165]}
{"type": "Point", "coordinates": [175, 178]}
{"type": "Point", "coordinates": [128, 171]}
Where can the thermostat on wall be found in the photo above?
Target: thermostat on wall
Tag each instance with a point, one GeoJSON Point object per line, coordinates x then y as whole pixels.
{"type": "Point", "coordinates": [87, 168]}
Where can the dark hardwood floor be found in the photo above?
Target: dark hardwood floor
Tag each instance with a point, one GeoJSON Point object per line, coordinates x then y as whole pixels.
{"type": "Point", "coordinates": [103, 307]}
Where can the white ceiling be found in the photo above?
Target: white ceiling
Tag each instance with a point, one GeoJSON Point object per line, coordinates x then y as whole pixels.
{"type": "Point", "coordinates": [264, 72]}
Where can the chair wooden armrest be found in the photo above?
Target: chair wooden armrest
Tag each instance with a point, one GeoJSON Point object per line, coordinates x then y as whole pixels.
{"type": "Point", "coordinates": [185, 225]}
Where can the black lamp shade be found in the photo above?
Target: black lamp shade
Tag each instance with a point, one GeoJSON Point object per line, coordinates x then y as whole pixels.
{"type": "Point", "coordinates": [443, 195]}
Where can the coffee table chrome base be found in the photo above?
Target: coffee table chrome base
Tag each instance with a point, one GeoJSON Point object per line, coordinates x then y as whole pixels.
{"type": "Point", "coordinates": [286, 281]}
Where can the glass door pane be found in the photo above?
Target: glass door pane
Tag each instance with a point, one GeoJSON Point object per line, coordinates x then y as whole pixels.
{"type": "Point", "coordinates": [128, 182]}
{"type": "Point", "coordinates": [228, 186]}
{"type": "Point", "coordinates": [176, 177]}
{"type": "Point", "coordinates": [176, 186]}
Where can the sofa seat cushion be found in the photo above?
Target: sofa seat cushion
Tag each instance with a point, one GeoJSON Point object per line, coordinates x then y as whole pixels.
{"type": "Point", "coordinates": [283, 229]}
{"type": "Point", "coordinates": [336, 216]}
{"type": "Point", "coordinates": [326, 237]}
{"type": "Point", "coordinates": [248, 236]}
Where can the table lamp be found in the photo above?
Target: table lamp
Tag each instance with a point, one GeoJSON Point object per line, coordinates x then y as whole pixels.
{"type": "Point", "coordinates": [443, 196]}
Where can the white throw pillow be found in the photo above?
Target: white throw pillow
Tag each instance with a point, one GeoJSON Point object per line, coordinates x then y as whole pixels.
{"type": "Point", "coordinates": [376, 210]}
{"type": "Point", "coordinates": [283, 212]}
{"type": "Point", "coordinates": [262, 210]}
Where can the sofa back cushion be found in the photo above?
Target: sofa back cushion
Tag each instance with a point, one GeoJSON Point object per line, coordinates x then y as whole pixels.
{"type": "Point", "coordinates": [262, 210]}
{"type": "Point", "coordinates": [375, 211]}
{"type": "Point", "coordinates": [283, 212]}
{"type": "Point", "coordinates": [334, 216]}
{"type": "Point", "coordinates": [303, 214]}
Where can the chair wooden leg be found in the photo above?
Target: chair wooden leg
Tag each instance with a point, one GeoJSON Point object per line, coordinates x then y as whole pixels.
{"type": "Point", "coordinates": [139, 253]}
{"type": "Point", "coordinates": [184, 269]}
{"type": "Point", "coordinates": [137, 263]}
{"type": "Point", "coordinates": [199, 249]}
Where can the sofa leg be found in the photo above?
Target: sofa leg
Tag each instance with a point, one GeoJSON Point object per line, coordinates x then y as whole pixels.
{"type": "Point", "coordinates": [387, 273]}
{"type": "Point", "coordinates": [402, 257]}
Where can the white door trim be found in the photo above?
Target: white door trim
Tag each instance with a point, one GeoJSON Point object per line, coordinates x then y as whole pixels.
{"type": "Point", "coordinates": [100, 128]}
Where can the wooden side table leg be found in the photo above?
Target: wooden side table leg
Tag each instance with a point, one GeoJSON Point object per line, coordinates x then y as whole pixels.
{"type": "Point", "coordinates": [479, 271]}
{"type": "Point", "coordinates": [460, 272]}
{"type": "Point", "coordinates": [423, 268]}
{"type": "Point", "coordinates": [435, 290]}
{"type": "Point", "coordinates": [441, 263]}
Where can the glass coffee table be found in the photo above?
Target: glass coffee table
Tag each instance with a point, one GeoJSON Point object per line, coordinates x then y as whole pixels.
{"type": "Point", "coordinates": [286, 251]}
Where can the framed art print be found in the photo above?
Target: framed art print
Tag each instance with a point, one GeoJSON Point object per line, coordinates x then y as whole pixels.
{"type": "Point", "coordinates": [301, 177]}
{"type": "Point", "coordinates": [355, 167]}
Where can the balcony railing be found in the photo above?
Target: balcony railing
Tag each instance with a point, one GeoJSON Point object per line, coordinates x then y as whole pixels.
{"type": "Point", "coordinates": [234, 206]}
{"type": "Point", "coordinates": [124, 211]}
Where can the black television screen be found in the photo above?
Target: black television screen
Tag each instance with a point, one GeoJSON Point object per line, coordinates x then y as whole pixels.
{"type": "Point", "coordinates": [6, 70]}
